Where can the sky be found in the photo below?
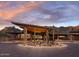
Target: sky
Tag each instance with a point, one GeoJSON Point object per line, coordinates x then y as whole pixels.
{"type": "Point", "coordinates": [44, 13]}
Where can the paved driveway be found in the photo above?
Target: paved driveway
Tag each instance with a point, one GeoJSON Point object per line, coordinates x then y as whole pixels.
{"type": "Point", "coordinates": [13, 50]}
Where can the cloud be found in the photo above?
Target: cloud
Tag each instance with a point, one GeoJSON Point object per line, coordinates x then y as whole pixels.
{"type": "Point", "coordinates": [9, 14]}
{"type": "Point", "coordinates": [52, 15]}
{"type": "Point", "coordinates": [55, 13]}
{"type": "Point", "coordinates": [4, 22]}
{"type": "Point", "coordinates": [3, 4]}
{"type": "Point", "coordinates": [58, 14]}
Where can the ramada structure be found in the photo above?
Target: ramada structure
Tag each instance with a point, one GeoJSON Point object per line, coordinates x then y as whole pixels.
{"type": "Point", "coordinates": [41, 32]}
{"type": "Point", "coordinates": [33, 31]}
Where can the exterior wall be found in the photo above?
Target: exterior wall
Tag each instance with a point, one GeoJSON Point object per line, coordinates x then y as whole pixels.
{"type": "Point", "coordinates": [28, 36]}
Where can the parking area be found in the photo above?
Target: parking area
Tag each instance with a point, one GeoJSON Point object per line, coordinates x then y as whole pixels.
{"type": "Point", "coordinates": [13, 50]}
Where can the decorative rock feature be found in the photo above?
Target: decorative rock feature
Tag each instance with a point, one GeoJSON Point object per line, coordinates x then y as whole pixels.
{"type": "Point", "coordinates": [44, 46]}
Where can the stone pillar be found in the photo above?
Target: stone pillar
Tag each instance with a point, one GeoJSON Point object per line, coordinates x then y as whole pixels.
{"type": "Point", "coordinates": [44, 37]}
{"type": "Point", "coordinates": [47, 37]}
{"type": "Point", "coordinates": [34, 38]}
{"type": "Point", "coordinates": [58, 35]}
{"type": "Point", "coordinates": [71, 37]}
{"type": "Point", "coordinates": [34, 35]}
{"type": "Point", "coordinates": [53, 34]}
{"type": "Point", "coordinates": [25, 35]}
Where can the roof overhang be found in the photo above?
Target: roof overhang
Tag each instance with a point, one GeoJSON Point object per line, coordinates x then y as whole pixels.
{"type": "Point", "coordinates": [32, 28]}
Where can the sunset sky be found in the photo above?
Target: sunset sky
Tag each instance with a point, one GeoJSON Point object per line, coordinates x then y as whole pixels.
{"type": "Point", "coordinates": [59, 13]}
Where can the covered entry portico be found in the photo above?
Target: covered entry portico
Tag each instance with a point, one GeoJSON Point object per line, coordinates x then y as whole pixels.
{"type": "Point", "coordinates": [35, 32]}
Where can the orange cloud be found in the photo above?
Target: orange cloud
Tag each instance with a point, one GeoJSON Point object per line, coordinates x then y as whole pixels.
{"type": "Point", "coordinates": [3, 5]}
{"type": "Point", "coordinates": [9, 14]}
